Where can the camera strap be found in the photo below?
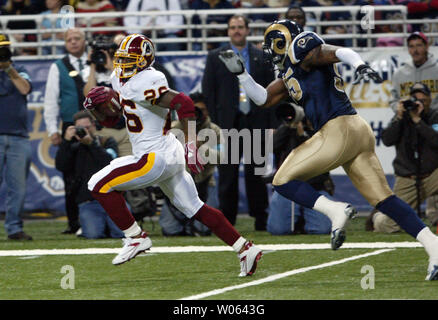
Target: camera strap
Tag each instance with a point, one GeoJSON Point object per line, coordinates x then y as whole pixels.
{"type": "Point", "coordinates": [77, 78]}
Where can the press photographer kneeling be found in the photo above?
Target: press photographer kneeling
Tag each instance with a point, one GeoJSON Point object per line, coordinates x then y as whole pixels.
{"type": "Point", "coordinates": [286, 217]}
{"type": "Point", "coordinates": [414, 133]}
{"type": "Point", "coordinates": [82, 152]}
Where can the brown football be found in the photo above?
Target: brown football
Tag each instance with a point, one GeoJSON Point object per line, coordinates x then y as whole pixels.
{"type": "Point", "coordinates": [111, 107]}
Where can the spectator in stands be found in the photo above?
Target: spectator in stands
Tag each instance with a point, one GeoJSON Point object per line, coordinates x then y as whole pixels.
{"type": "Point", "coordinates": [120, 5]}
{"type": "Point", "coordinates": [143, 24]}
{"type": "Point", "coordinates": [172, 221]}
{"type": "Point", "coordinates": [97, 6]}
{"type": "Point", "coordinates": [83, 153]}
{"type": "Point", "coordinates": [421, 10]}
{"type": "Point", "coordinates": [389, 28]}
{"type": "Point", "coordinates": [297, 14]}
{"type": "Point", "coordinates": [21, 7]}
{"type": "Point", "coordinates": [344, 28]}
{"type": "Point", "coordinates": [414, 133]}
{"type": "Point", "coordinates": [421, 68]}
{"type": "Point", "coordinates": [289, 135]}
{"type": "Point", "coordinates": [54, 7]}
{"type": "Point", "coordinates": [63, 98]}
{"type": "Point", "coordinates": [261, 17]}
{"type": "Point", "coordinates": [211, 19]}
{"type": "Point", "coordinates": [229, 108]}
{"type": "Point", "coordinates": [305, 3]}
{"type": "Point", "coordinates": [15, 149]}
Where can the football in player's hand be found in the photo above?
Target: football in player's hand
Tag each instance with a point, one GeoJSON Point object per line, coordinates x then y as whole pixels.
{"type": "Point", "coordinates": [110, 106]}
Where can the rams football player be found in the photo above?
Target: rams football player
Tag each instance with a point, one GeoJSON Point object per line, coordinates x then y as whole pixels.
{"type": "Point", "coordinates": [309, 75]}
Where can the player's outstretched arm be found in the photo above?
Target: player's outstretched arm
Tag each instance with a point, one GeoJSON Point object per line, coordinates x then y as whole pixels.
{"type": "Point", "coordinates": [264, 97]}
{"type": "Point", "coordinates": [328, 54]}
{"type": "Point", "coordinates": [185, 108]}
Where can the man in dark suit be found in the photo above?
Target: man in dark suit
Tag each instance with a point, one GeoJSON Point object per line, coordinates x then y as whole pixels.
{"type": "Point", "coordinates": [229, 107]}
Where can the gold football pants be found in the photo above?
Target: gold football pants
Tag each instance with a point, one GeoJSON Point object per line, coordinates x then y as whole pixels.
{"type": "Point", "coordinates": [346, 141]}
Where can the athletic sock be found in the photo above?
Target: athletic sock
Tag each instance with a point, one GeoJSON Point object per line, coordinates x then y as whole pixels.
{"type": "Point", "coordinates": [335, 210]}
{"type": "Point", "coordinates": [299, 192]}
{"type": "Point", "coordinates": [219, 225]}
{"type": "Point", "coordinates": [402, 214]}
{"type": "Point", "coordinates": [115, 205]}
{"type": "Point", "coordinates": [429, 242]}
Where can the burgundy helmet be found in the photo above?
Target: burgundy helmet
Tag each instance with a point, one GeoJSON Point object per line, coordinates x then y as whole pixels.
{"type": "Point", "coordinates": [135, 53]}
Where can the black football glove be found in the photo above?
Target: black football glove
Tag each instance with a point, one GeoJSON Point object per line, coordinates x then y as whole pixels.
{"type": "Point", "coordinates": [366, 73]}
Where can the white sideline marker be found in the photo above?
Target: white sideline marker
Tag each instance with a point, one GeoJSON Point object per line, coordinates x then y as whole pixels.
{"type": "Point", "coordinates": [283, 275]}
{"type": "Point", "coordinates": [266, 247]}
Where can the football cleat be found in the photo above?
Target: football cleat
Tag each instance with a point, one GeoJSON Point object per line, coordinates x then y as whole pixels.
{"type": "Point", "coordinates": [248, 259]}
{"type": "Point", "coordinates": [432, 272]}
{"type": "Point", "coordinates": [338, 234]}
{"type": "Point", "coordinates": [132, 247]}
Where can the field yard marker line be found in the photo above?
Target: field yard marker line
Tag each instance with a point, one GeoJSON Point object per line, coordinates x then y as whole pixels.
{"type": "Point", "coordinates": [283, 275]}
{"type": "Point", "coordinates": [180, 249]}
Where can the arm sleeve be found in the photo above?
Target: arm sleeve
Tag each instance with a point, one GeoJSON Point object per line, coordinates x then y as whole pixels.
{"type": "Point", "coordinates": [255, 92]}
{"type": "Point", "coordinates": [349, 56]}
{"type": "Point", "coordinates": [51, 106]}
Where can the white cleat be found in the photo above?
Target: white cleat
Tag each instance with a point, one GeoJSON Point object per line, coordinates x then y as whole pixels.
{"type": "Point", "coordinates": [338, 227]}
{"type": "Point", "coordinates": [132, 247]}
{"type": "Point", "coordinates": [248, 259]}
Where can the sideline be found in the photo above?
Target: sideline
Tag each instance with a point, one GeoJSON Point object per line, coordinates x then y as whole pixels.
{"type": "Point", "coordinates": [181, 249]}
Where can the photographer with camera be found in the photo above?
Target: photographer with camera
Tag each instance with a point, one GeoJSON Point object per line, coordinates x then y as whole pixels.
{"type": "Point", "coordinates": [414, 133]}
{"type": "Point", "coordinates": [15, 149]}
{"type": "Point", "coordinates": [82, 153]}
{"type": "Point", "coordinates": [294, 130]}
{"type": "Point", "coordinates": [172, 221]}
{"type": "Point", "coordinates": [101, 51]}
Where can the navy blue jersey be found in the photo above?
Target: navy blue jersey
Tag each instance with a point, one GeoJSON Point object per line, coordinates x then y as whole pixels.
{"type": "Point", "coordinates": [320, 92]}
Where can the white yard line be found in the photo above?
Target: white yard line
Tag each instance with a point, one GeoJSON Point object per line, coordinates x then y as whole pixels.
{"type": "Point", "coordinates": [275, 247]}
{"type": "Point", "coordinates": [283, 275]}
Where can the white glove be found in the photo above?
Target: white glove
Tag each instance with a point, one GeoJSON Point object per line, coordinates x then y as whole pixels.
{"type": "Point", "coordinates": [232, 61]}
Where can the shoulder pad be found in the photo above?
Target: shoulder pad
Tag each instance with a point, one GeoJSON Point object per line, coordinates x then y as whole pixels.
{"type": "Point", "coordinates": [302, 44]}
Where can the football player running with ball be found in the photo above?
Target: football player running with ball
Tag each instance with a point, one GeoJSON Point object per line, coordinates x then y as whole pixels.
{"type": "Point", "coordinates": [307, 72]}
{"type": "Point", "coordinates": [158, 158]}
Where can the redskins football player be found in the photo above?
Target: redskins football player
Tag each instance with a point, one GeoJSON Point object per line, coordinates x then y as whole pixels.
{"type": "Point", "coordinates": [142, 95]}
{"type": "Point", "coordinates": [308, 74]}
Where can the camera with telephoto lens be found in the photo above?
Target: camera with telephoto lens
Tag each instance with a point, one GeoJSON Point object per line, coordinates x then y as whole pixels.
{"type": "Point", "coordinates": [410, 104]}
{"type": "Point", "coordinates": [5, 54]}
{"type": "Point", "coordinates": [80, 132]}
{"type": "Point", "coordinates": [98, 46]}
{"type": "Point", "coordinates": [290, 113]}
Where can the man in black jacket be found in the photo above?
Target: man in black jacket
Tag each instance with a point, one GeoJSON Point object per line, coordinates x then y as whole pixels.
{"type": "Point", "coordinates": [414, 133]}
{"type": "Point", "coordinates": [229, 108]}
{"type": "Point", "coordinates": [82, 154]}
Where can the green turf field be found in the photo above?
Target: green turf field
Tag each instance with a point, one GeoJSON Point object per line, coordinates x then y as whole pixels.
{"type": "Point", "coordinates": [319, 273]}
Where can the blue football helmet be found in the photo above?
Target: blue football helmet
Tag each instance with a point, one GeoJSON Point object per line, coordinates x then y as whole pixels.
{"type": "Point", "coordinates": [277, 40]}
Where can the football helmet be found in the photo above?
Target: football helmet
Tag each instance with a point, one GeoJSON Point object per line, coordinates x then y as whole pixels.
{"type": "Point", "coordinates": [277, 40]}
{"type": "Point", "coordinates": [135, 53]}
